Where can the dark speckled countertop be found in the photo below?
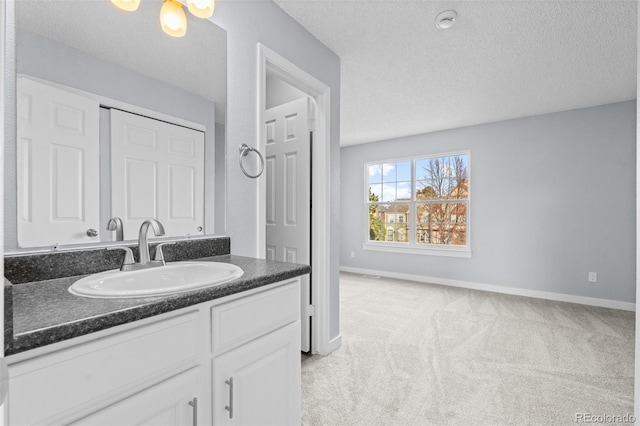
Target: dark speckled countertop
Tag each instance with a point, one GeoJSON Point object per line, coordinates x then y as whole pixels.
{"type": "Point", "coordinates": [44, 312]}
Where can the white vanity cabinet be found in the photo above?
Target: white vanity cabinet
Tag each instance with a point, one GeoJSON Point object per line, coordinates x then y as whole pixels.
{"type": "Point", "coordinates": [254, 382]}
{"type": "Point", "coordinates": [65, 385]}
{"type": "Point", "coordinates": [171, 369]}
{"type": "Point", "coordinates": [255, 385]}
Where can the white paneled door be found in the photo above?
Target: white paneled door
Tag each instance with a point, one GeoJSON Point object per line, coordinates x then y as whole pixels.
{"type": "Point", "coordinates": [288, 172]}
{"type": "Point", "coordinates": [57, 165]}
{"type": "Point", "coordinates": [157, 171]}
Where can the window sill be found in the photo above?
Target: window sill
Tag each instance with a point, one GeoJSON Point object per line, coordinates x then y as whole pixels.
{"type": "Point", "coordinates": [464, 252]}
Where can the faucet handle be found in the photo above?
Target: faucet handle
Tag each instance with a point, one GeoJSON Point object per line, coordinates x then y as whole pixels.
{"type": "Point", "coordinates": [115, 224]}
{"type": "Point", "coordinates": [128, 257]}
{"type": "Point", "coordinates": [159, 255]}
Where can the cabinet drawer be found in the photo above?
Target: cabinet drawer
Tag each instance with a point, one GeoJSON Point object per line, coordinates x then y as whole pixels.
{"type": "Point", "coordinates": [68, 382]}
{"type": "Point", "coordinates": [245, 319]}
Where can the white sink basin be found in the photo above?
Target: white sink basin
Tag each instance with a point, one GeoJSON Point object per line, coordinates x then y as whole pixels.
{"type": "Point", "coordinates": [163, 280]}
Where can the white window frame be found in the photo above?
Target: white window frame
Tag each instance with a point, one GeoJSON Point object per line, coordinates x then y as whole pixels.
{"type": "Point", "coordinates": [411, 246]}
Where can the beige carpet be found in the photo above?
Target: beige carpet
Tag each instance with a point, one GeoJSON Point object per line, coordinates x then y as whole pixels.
{"type": "Point", "coordinates": [420, 354]}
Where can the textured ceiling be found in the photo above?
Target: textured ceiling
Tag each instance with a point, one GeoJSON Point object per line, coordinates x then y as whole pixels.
{"type": "Point", "coordinates": [135, 41]}
{"type": "Point", "coordinates": [501, 60]}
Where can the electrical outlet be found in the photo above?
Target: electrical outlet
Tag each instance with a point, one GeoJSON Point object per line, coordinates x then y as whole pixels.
{"type": "Point", "coordinates": [353, 254]}
{"type": "Point", "coordinates": [593, 277]}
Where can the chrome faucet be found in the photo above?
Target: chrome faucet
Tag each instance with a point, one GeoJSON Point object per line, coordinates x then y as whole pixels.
{"type": "Point", "coordinates": [143, 245]}
{"type": "Point", "coordinates": [115, 224]}
{"type": "Point", "coordinates": [144, 260]}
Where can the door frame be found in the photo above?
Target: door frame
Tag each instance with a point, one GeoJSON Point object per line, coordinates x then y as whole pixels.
{"type": "Point", "coordinates": [7, 103]}
{"type": "Point", "coordinates": [272, 63]}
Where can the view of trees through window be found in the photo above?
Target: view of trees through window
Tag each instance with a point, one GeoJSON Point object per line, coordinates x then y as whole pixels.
{"type": "Point", "coordinates": [421, 201]}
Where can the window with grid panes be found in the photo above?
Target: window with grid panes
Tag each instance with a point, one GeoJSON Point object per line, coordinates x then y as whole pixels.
{"type": "Point", "coordinates": [419, 203]}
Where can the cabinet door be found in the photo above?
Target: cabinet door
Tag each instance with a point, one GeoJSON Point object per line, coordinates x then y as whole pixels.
{"type": "Point", "coordinates": [169, 403]}
{"type": "Point", "coordinates": [259, 382]}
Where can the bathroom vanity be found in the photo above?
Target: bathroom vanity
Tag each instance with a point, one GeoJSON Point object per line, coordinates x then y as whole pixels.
{"type": "Point", "coordinates": [228, 354]}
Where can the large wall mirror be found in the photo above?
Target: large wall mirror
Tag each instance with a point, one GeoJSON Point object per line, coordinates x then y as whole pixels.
{"type": "Point", "coordinates": [114, 71]}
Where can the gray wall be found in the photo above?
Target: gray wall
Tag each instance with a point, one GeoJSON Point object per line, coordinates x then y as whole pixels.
{"type": "Point", "coordinates": [552, 198]}
{"type": "Point", "coordinates": [249, 23]}
{"type": "Point", "coordinates": [42, 58]}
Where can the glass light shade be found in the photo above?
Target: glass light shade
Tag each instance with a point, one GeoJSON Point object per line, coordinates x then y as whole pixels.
{"type": "Point", "coordinates": [201, 8]}
{"type": "Point", "coordinates": [173, 19]}
{"type": "Point", "coordinates": [128, 5]}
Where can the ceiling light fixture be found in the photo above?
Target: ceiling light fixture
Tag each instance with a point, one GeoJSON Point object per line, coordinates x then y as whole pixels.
{"type": "Point", "coordinates": [128, 5]}
{"type": "Point", "coordinates": [446, 19]}
{"type": "Point", "coordinates": [173, 20]}
{"type": "Point", "coordinates": [201, 8]}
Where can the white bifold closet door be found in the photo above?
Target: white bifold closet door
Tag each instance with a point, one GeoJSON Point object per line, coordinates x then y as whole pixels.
{"type": "Point", "coordinates": [58, 184]}
{"type": "Point", "coordinates": [157, 171]}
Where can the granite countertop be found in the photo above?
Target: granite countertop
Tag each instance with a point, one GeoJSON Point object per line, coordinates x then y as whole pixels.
{"type": "Point", "coordinates": [44, 312]}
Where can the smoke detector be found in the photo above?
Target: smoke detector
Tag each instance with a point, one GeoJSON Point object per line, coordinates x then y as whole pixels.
{"type": "Point", "coordinates": [446, 19]}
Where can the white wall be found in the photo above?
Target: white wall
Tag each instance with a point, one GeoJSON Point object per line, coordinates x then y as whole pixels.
{"type": "Point", "coordinates": [248, 23]}
{"type": "Point", "coordinates": [279, 92]}
{"type": "Point", "coordinates": [551, 200]}
{"type": "Point", "coordinates": [220, 180]}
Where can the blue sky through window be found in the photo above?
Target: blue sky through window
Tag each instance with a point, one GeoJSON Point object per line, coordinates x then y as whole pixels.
{"type": "Point", "coordinates": [390, 181]}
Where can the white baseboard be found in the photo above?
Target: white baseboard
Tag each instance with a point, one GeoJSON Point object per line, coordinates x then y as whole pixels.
{"type": "Point", "coordinates": [332, 345]}
{"type": "Point", "coordinates": [335, 343]}
{"type": "Point", "coordinates": [582, 300]}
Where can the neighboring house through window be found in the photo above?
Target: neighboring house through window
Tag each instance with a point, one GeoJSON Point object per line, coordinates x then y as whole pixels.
{"type": "Point", "coordinates": [419, 205]}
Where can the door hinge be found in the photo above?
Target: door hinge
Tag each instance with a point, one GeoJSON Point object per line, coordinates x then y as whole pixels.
{"type": "Point", "coordinates": [311, 311]}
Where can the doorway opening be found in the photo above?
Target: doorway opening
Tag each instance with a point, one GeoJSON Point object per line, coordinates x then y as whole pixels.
{"type": "Point", "coordinates": [286, 80]}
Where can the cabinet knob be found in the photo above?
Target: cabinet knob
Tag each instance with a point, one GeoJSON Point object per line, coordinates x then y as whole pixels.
{"type": "Point", "coordinates": [92, 233]}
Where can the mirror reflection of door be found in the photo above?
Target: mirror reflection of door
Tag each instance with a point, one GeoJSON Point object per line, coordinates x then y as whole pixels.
{"type": "Point", "coordinates": [57, 166]}
{"type": "Point", "coordinates": [157, 171]}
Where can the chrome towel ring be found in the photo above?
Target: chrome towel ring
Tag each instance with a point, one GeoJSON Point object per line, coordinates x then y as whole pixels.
{"type": "Point", "coordinates": [244, 151]}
